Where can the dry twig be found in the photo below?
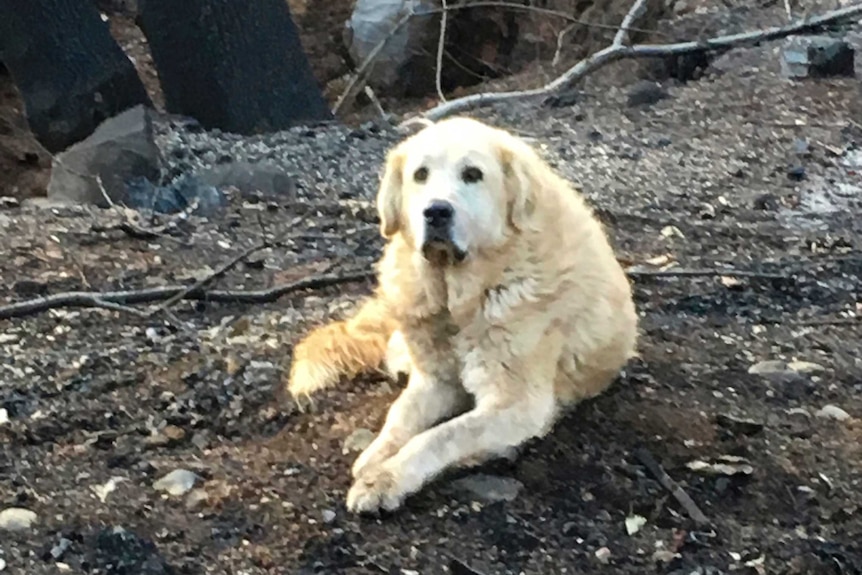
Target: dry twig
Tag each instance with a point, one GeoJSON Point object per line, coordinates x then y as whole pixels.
{"type": "Point", "coordinates": [706, 272]}
{"type": "Point", "coordinates": [441, 41]}
{"type": "Point", "coordinates": [618, 50]}
{"type": "Point", "coordinates": [665, 480]}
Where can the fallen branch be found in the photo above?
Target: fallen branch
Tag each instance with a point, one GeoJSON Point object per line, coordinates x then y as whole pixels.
{"type": "Point", "coordinates": [619, 51]}
{"type": "Point", "coordinates": [359, 76]}
{"type": "Point", "coordinates": [665, 480]}
{"type": "Point", "coordinates": [109, 300]}
{"type": "Point", "coordinates": [707, 272]}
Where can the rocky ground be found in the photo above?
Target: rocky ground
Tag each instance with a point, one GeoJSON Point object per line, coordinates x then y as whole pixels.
{"type": "Point", "coordinates": [159, 442]}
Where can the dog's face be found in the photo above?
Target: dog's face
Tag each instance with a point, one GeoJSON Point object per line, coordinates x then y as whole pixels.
{"type": "Point", "coordinates": [456, 188]}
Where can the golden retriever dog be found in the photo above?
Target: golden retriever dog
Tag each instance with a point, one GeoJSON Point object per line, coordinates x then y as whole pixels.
{"type": "Point", "coordinates": [498, 294]}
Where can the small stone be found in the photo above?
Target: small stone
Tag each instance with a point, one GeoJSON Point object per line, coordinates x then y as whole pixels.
{"type": "Point", "coordinates": [488, 487]}
{"type": "Point", "coordinates": [8, 202]}
{"type": "Point", "coordinates": [707, 212]}
{"type": "Point", "coordinates": [634, 523]}
{"type": "Point", "coordinates": [17, 519]}
{"type": "Point", "coordinates": [196, 498]}
{"type": "Point", "coordinates": [796, 173]}
{"type": "Point", "coordinates": [2, 564]}
{"type": "Point", "coordinates": [4, 416]}
{"type": "Point", "coordinates": [737, 425]}
{"type": "Point", "coordinates": [357, 441]}
{"type": "Point", "coordinates": [177, 482]}
{"type": "Point", "coordinates": [805, 366]}
{"type": "Point", "coordinates": [768, 367]}
{"type": "Point", "coordinates": [817, 57]}
{"type": "Point", "coordinates": [328, 515]}
{"type": "Point", "coordinates": [832, 412]}
{"type": "Point", "coordinates": [646, 93]}
{"type": "Point", "coordinates": [603, 555]}
{"type": "Point", "coordinates": [60, 548]}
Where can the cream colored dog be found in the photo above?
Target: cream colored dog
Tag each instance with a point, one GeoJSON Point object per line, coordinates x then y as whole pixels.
{"type": "Point", "coordinates": [498, 293]}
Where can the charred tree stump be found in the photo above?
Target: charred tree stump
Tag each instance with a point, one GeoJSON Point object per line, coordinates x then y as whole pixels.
{"type": "Point", "coordinates": [70, 71]}
{"type": "Point", "coordinates": [234, 65]}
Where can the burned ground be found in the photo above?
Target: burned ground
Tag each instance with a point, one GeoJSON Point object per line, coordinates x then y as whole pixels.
{"type": "Point", "coordinates": [742, 172]}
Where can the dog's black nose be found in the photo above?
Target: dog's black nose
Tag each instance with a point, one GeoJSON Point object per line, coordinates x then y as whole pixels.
{"type": "Point", "coordinates": [438, 213]}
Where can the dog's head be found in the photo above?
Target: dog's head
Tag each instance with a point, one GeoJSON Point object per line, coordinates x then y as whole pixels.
{"type": "Point", "coordinates": [458, 187]}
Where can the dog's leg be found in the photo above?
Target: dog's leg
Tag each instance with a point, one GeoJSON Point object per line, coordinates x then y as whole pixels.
{"type": "Point", "coordinates": [514, 403]}
{"type": "Point", "coordinates": [432, 393]}
{"type": "Point", "coordinates": [423, 402]}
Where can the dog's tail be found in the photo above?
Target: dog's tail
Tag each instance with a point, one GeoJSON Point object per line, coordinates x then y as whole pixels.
{"type": "Point", "coordinates": [341, 348]}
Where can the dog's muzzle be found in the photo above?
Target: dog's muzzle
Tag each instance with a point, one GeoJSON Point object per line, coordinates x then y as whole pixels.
{"type": "Point", "coordinates": [439, 247]}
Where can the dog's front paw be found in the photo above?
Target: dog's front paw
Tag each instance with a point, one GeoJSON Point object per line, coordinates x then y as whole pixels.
{"type": "Point", "coordinates": [376, 490]}
{"type": "Point", "coordinates": [375, 454]}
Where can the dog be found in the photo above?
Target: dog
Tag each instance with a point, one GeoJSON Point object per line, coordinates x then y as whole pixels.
{"type": "Point", "coordinates": [499, 296]}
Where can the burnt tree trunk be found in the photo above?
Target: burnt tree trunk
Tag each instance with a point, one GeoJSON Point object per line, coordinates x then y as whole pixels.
{"type": "Point", "coordinates": [70, 71]}
{"type": "Point", "coordinates": [236, 65]}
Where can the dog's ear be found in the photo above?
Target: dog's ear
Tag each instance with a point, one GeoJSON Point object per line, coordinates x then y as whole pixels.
{"type": "Point", "coordinates": [522, 181]}
{"type": "Point", "coordinates": [389, 194]}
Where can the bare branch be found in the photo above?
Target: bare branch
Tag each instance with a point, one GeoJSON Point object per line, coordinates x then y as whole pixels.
{"type": "Point", "coordinates": [121, 300]}
{"type": "Point", "coordinates": [359, 76]}
{"type": "Point", "coordinates": [441, 41]}
{"type": "Point", "coordinates": [618, 51]}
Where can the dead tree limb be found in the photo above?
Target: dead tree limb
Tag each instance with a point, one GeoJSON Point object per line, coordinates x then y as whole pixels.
{"type": "Point", "coordinates": [131, 297]}
{"type": "Point", "coordinates": [355, 83]}
{"type": "Point", "coordinates": [618, 50]}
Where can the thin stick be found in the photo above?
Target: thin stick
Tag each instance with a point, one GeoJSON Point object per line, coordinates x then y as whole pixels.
{"type": "Point", "coordinates": [665, 480]}
{"type": "Point", "coordinates": [441, 41]}
{"type": "Point", "coordinates": [131, 297]}
{"type": "Point", "coordinates": [205, 281]}
{"type": "Point", "coordinates": [619, 51]}
{"type": "Point", "coordinates": [703, 273]}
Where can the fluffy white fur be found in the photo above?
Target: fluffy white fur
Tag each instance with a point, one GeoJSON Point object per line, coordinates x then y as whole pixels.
{"type": "Point", "coordinates": [538, 316]}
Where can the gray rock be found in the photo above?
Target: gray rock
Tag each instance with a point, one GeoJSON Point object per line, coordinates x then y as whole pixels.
{"type": "Point", "coordinates": [17, 519]}
{"type": "Point", "coordinates": [832, 412]}
{"type": "Point", "coordinates": [817, 57]}
{"type": "Point", "coordinates": [177, 482]}
{"type": "Point", "coordinates": [328, 515]}
{"type": "Point", "coordinates": [357, 441]}
{"type": "Point", "coordinates": [264, 179]}
{"type": "Point", "coordinates": [646, 93]}
{"type": "Point", "coordinates": [58, 550]}
{"type": "Point", "coordinates": [488, 487]}
{"type": "Point", "coordinates": [372, 21]}
{"type": "Point", "coordinates": [121, 149]}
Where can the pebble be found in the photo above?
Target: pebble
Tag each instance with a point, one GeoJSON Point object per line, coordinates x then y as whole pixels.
{"type": "Point", "coordinates": [196, 498]}
{"type": "Point", "coordinates": [832, 412]}
{"type": "Point", "coordinates": [177, 482]}
{"type": "Point", "coordinates": [488, 487]}
{"type": "Point", "coordinates": [603, 554]}
{"type": "Point", "coordinates": [328, 515]}
{"type": "Point", "coordinates": [4, 416]}
{"type": "Point", "coordinates": [2, 564]}
{"type": "Point", "coordinates": [357, 441]}
{"type": "Point", "coordinates": [17, 519]}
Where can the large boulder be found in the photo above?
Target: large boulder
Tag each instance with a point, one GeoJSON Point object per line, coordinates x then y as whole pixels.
{"type": "Point", "coordinates": [373, 21]}
{"type": "Point", "coordinates": [121, 149]}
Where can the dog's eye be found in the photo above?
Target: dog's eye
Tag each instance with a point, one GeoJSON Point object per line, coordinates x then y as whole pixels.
{"type": "Point", "coordinates": [420, 175]}
{"type": "Point", "coordinates": [471, 175]}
